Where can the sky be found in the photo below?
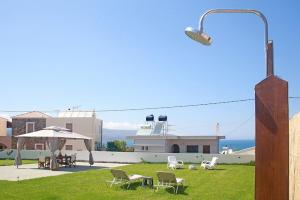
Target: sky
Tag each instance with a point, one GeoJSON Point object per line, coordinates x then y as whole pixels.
{"type": "Point", "coordinates": [115, 54]}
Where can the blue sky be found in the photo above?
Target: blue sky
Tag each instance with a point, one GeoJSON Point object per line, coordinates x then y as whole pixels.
{"type": "Point", "coordinates": [134, 53]}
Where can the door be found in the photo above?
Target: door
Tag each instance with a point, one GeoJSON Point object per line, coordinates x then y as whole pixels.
{"type": "Point", "coordinates": [206, 148]}
{"type": "Point", "coordinates": [175, 148]}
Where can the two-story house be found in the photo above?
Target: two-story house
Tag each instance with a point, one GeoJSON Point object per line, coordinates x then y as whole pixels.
{"type": "Point", "coordinates": [27, 123]}
{"type": "Point", "coordinates": [82, 122]}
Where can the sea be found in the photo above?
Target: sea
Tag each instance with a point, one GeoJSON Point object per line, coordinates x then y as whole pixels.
{"type": "Point", "coordinates": [237, 145]}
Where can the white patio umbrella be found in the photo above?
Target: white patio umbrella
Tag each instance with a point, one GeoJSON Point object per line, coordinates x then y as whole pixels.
{"type": "Point", "coordinates": [53, 135]}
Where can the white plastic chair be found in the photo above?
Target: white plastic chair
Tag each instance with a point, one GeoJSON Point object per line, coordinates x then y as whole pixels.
{"type": "Point", "coordinates": [209, 164]}
{"type": "Point", "coordinates": [173, 163]}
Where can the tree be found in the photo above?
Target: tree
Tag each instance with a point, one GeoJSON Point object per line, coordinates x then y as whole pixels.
{"type": "Point", "coordinates": [98, 146]}
{"type": "Point", "coordinates": [116, 145]}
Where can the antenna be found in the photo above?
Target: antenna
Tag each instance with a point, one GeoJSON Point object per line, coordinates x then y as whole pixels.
{"type": "Point", "coordinates": [217, 129]}
{"type": "Point", "coordinates": [76, 107]}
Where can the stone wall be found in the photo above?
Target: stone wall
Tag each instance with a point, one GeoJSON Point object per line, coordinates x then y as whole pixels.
{"type": "Point", "coordinates": [5, 141]}
{"type": "Point", "coordinates": [19, 127]}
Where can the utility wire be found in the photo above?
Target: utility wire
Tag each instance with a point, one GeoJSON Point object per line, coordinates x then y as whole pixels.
{"type": "Point", "coordinates": [184, 106]}
{"type": "Point", "coordinates": [177, 106]}
{"type": "Point", "coordinates": [241, 124]}
{"type": "Point", "coordinates": [151, 108]}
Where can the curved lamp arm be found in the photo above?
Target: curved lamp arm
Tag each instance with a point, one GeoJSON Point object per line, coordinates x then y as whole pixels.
{"type": "Point", "coordinates": [268, 43]}
{"type": "Point", "coordinates": [258, 13]}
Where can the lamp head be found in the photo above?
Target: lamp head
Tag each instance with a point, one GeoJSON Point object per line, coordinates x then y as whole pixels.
{"type": "Point", "coordinates": [198, 36]}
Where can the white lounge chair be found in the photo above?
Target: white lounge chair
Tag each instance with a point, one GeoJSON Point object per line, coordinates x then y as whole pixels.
{"type": "Point", "coordinates": [173, 163]}
{"type": "Point", "coordinates": [209, 164]}
{"type": "Point", "coordinates": [168, 180]}
{"type": "Point", "coordinates": [120, 177]}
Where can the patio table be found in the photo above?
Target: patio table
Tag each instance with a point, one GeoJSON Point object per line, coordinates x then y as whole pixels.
{"type": "Point", "coordinates": [147, 181]}
{"type": "Point", "coordinates": [62, 160]}
{"type": "Point", "coordinates": [66, 161]}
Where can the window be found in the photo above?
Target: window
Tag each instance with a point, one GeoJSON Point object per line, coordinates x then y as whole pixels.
{"type": "Point", "coordinates": [39, 146]}
{"type": "Point", "coordinates": [192, 149]}
{"type": "Point", "coordinates": [175, 148]}
{"type": "Point", "coordinates": [69, 126]}
{"type": "Point", "coordinates": [9, 132]}
{"type": "Point", "coordinates": [2, 146]}
{"type": "Point", "coordinates": [206, 148]}
{"type": "Point", "coordinates": [145, 148]}
{"type": "Point", "coordinates": [69, 147]}
{"type": "Point", "coordinates": [30, 127]}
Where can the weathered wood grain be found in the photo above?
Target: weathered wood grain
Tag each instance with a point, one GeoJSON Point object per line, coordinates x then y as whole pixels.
{"type": "Point", "coordinates": [272, 140]}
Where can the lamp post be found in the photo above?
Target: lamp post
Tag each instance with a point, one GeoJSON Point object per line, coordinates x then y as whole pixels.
{"type": "Point", "coordinates": [271, 119]}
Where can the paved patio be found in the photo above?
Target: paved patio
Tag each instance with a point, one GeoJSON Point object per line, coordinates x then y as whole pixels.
{"type": "Point", "coordinates": [31, 171]}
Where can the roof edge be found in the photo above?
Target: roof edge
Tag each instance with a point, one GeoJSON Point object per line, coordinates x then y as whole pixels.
{"type": "Point", "coordinates": [20, 115]}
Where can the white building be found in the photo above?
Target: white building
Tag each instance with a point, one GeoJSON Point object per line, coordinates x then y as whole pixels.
{"type": "Point", "coordinates": [82, 122]}
{"type": "Point", "coordinates": [154, 137]}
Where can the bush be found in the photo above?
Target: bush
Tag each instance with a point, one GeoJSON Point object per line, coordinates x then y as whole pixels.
{"type": "Point", "coordinates": [251, 163]}
{"type": "Point", "coordinates": [98, 146]}
{"type": "Point", "coordinates": [116, 145]}
{"type": "Point", "coordinates": [130, 149]}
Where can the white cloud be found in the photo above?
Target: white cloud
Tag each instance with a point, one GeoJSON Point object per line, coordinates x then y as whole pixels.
{"type": "Point", "coordinates": [121, 125]}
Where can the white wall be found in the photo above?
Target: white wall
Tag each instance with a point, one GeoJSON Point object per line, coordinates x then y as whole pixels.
{"type": "Point", "coordinates": [136, 157]}
{"type": "Point", "coordinates": [165, 145]}
{"type": "Point", "coordinates": [200, 142]}
{"type": "Point", "coordinates": [154, 145]}
{"type": "Point", "coordinates": [90, 127]}
{"type": "Point", "coordinates": [152, 149]}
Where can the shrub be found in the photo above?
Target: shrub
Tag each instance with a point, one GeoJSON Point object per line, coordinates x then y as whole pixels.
{"type": "Point", "coordinates": [116, 145]}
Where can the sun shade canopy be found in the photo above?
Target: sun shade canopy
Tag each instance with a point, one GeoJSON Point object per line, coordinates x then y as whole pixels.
{"type": "Point", "coordinates": [54, 136]}
{"type": "Point", "coordinates": [54, 132]}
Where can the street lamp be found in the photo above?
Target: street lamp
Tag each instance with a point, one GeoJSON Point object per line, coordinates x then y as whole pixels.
{"type": "Point", "coordinates": [199, 35]}
{"type": "Point", "coordinates": [271, 120]}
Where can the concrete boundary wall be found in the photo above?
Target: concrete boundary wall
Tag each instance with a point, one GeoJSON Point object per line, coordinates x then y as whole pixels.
{"type": "Point", "coordinates": [136, 157]}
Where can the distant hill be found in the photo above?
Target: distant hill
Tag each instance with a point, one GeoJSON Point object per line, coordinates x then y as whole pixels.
{"type": "Point", "coordinates": [113, 134]}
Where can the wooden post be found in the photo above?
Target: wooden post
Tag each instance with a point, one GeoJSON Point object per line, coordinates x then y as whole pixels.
{"type": "Point", "coordinates": [272, 140]}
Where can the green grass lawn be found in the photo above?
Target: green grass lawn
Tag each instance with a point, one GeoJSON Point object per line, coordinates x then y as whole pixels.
{"type": "Point", "coordinates": [11, 162]}
{"type": "Point", "coordinates": [228, 182]}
